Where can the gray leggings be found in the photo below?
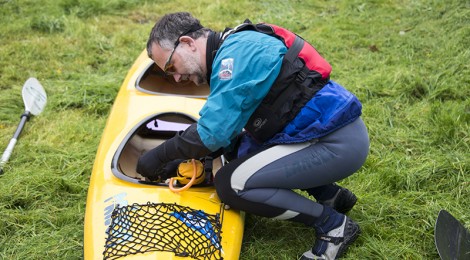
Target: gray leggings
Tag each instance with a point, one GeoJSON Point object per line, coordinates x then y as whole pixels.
{"type": "Point", "coordinates": [263, 182]}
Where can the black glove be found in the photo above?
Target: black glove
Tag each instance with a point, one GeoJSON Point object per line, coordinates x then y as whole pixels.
{"type": "Point", "coordinates": [184, 145]}
{"type": "Point", "coordinates": [170, 169]}
{"type": "Point", "coordinates": [150, 166]}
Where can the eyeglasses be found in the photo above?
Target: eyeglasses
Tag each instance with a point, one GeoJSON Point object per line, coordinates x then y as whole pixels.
{"type": "Point", "coordinates": [169, 68]}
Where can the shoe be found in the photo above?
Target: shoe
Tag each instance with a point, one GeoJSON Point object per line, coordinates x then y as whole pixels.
{"type": "Point", "coordinates": [343, 201]}
{"type": "Point", "coordinates": [337, 241]}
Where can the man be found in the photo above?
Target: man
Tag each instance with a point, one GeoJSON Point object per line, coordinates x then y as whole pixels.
{"type": "Point", "coordinates": [303, 131]}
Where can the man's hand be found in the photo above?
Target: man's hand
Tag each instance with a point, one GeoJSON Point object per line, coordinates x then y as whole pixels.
{"type": "Point", "coordinates": [184, 145]}
{"type": "Point", "coordinates": [150, 166]}
{"type": "Point", "coordinates": [153, 169]}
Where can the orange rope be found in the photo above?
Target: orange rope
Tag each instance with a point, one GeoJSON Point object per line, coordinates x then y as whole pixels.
{"type": "Point", "coordinates": [189, 184]}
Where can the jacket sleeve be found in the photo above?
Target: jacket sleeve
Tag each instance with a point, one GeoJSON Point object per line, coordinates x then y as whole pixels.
{"type": "Point", "coordinates": [184, 145]}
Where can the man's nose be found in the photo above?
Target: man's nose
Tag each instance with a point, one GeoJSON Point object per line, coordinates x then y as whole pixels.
{"type": "Point", "coordinates": [177, 77]}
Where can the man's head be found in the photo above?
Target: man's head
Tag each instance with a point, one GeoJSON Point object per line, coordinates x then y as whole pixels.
{"type": "Point", "coordinates": [177, 44]}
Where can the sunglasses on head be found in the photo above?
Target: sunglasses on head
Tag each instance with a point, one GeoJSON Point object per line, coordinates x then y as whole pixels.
{"type": "Point", "coordinates": [169, 68]}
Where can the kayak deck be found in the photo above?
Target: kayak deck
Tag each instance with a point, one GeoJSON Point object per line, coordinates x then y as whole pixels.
{"type": "Point", "coordinates": [128, 216]}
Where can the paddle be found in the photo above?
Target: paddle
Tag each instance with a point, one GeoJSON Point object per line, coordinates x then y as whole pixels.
{"type": "Point", "coordinates": [34, 98]}
{"type": "Point", "coordinates": [451, 237]}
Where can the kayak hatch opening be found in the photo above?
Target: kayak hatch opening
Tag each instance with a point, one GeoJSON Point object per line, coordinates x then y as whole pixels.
{"type": "Point", "coordinates": [148, 134]}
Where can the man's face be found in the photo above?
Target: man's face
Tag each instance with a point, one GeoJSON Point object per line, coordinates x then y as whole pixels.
{"type": "Point", "coordinates": [182, 62]}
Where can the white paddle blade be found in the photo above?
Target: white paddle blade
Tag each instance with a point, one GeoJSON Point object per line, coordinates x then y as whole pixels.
{"type": "Point", "coordinates": [34, 96]}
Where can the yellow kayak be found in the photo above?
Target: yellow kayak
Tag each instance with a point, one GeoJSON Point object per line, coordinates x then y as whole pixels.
{"type": "Point", "coordinates": [128, 217]}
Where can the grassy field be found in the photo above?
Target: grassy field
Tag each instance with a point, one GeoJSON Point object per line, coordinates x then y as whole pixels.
{"type": "Point", "coordinates": [406, 60]}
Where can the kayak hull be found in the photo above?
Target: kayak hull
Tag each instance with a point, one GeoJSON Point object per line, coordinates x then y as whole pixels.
{"type": "Point", "coordinates": [114, 182]}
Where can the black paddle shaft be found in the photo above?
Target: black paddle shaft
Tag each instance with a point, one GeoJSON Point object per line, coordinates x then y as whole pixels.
{"type": "Point", "coordinates": [6, 155]}
{"type": "Point", "coordinates": [24, 118]}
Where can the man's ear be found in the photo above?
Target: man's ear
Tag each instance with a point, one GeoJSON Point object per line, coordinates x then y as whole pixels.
{"type": "Point", "coordinates": [189, 41]}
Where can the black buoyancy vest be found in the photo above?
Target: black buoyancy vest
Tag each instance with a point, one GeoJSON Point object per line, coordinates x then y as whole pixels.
{"type": "Point", "coordinates": [303, 73]}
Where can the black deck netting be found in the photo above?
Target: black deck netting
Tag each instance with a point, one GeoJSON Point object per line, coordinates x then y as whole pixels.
{"type": "Point", "coordinates": [140, 228]}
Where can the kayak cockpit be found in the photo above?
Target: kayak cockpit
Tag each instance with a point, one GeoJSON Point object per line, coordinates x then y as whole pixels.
{"type": "Point", "coordinates": [147, 135]}
{"type": "Point", "coordinates": [154, 81]}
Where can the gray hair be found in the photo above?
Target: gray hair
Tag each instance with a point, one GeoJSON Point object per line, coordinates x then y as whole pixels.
{"type": "Point", "coordinates": [171, 27]}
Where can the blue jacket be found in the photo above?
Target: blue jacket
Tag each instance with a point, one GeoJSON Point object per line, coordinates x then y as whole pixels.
{"type": "Point", "coordinates": [244, 68]}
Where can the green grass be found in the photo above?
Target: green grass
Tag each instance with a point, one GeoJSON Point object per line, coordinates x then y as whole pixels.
{"type": "Point", "coordinates": [407, 61]}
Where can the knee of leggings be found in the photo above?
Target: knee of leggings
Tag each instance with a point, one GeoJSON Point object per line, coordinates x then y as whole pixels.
{"type": "Point", "coordinates": [224, 190]}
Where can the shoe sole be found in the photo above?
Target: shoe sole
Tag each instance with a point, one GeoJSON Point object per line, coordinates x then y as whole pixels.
{"type": "Point", "coordinates": [355, 234]}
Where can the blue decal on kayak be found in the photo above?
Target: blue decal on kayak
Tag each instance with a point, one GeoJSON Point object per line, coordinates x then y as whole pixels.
{"type": "Point", "coordinates": [198, 221]}
{"type": "Point", "coordinates": [111, 203]}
